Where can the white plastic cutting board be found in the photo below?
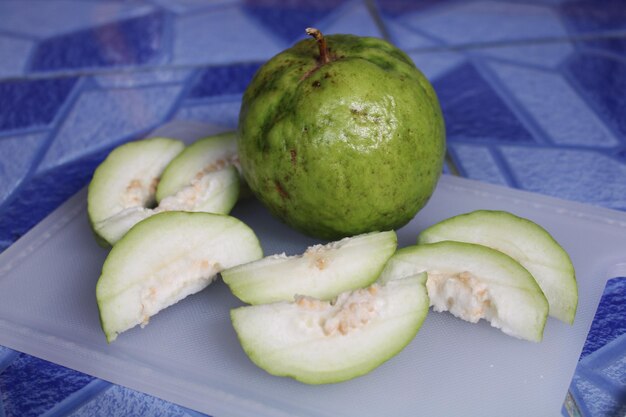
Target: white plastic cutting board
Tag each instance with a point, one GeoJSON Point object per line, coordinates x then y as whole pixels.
{"type": "Point", "coordinates": [189, 353]}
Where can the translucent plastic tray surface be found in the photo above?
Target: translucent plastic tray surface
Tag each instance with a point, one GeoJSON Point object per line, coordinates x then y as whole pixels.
{"type": "Point", "coordinates": [189, 353]}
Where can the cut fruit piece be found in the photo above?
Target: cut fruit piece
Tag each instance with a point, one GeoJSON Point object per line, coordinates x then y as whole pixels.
{"type": "Point", "coordinates": [128, 177]}
{"type": "Point", "coordinates": [526, 242]}
{"type": "Point", "coordinates": [213, 192]}
{"type": "Point", "coordinates": [475, 282]}
{"type": "Point", "coordinates": [323, 271]}
{"type": "Point", "coordinates": [319, 342]}
{"type": "Point", "coordinates": [206, 155]}
{"type": "Point", "coordinates": [165, 258]}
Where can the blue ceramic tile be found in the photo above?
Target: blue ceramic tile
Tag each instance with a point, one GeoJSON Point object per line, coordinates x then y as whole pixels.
{"type": "Point", "coordinates": [610, 45]}
{"type": "Point", "coordinates": [435, 64]}
{"type": "Point", "coordinates": [561, 114]}
{"type": "Point", "coordinates": [222, 36]}
{"type": "Point", "coordinates": [408, 39]}
{"type": "Point", "coordinates": [14, 54]}
{"type": "Point", "coordinates": [142, 78]}
{"type": "Point", "coordinates": [223, 79]}
{"type": "Point", "coordinates": [135, 41]}
{"type": "Point", "coordinates": [221, 113]}
{"type": "Point", "coordinates": [455, 23]}
{"type": "Point", "coordinates": [610, 320]}
{"type": "Point", "coordinates": [288, 19]}
{"type": "Point", "coordinates": [355, 19]}
{"type": "Point", "coordinates": [544, 55]}
{"type": "Point", "coordinates": [118, 400]}
{"type": "Point", "coordinates": [572, 174]}
{"type": "Point", "coordinates": [49, 18]}
{"type": "Point", "coordinates": [17, 154]}
{"type": "Point", "coordinates": [602, 81]}
{"type": "Point", "coordinates": [31, 386]}
{"type": "Point", "coordinates": [597, 402]}
{"type": "Point", "coordinates": [398, 8]}
{"type": "Point", "coordinates": [472, 110]}
{"type": "Point", "coordinates": [32, 103]}
{"type": "Point", "coordinates": [593, 16]}
{"type": "Point", "coordinates": [477, 162]}
{"type": "Point", "coordinates": [42, 193]}
{"type": "Point", "coordinates": [100, 119]}
{"type": "Point", "coordinates": [193, 6]}
{"type": "Point", "coordinates": [599, 384]}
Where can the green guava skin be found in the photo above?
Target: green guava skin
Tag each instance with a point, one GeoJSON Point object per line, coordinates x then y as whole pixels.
{"type": "Point", "coordinates": [348, 147]}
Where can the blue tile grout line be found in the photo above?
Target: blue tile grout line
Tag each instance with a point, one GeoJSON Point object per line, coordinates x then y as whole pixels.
{"type": "Point", "coordinates": [575, 85]}
{"type": "Point", "coordinates": [78, 398]}
{"type": "Point", "coordinates": [62, 113]}
{"type": "Point", "coordinates": [527, 120]}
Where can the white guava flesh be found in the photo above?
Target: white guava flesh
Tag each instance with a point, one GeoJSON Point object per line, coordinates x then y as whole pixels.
{"type": "Point", "coordinates": [206, 155]}
{"type": "Point", "coordinates": [318, 342]}
{"type": "Point", "coordinates": [322, 271]}
{"type": "Point", "coordinates": [211, 192]}
{"type": "Point", "coordinates": [127, 179]}
{"type": "Point", "coordinates": [165, 258]}
{"type": "Point", "coordinates": [526, 242]}
{"type": "Point", "coordinates": [475, 282]}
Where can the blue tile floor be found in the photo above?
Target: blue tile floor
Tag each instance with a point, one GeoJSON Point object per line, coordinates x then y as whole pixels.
{"type": "Point", "coordinates": [532, 92]}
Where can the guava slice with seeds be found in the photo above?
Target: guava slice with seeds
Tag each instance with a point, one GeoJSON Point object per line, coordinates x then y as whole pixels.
{"type": "Point", "coordinates": [212, 192]}
{"type": "Point", "coordinates": [526, 242]}
{"type": "Point", "coordinates": [319, 342]}
{"type": "Point", "coordinates": [475, 282]}
{"type": "Point", "coordinates": [165, 258]}
{"type": "Point", "coordinates": [127, 179]}
{"type": "Point", "coordinates": [322, 271]}
{"type": "Point", "coordinates": [206, 155]}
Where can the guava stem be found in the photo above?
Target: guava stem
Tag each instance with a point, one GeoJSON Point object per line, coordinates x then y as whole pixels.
{"type": "Point", "coordinates": [321, 43]}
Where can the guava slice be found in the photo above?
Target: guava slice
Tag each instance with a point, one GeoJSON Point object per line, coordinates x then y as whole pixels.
{"type": "Point", "coordinates": [212, 192]}
{"type": "Point", "coordinates": [322, 271]}
{"type": "Point", "coordinates": [128, 178]}
{"type": "Point", "coordinates": [319, 342]}
{"type": "Point", "coordinates": [475, 282]}
{"type": "Point", "coordinates": [526, 242]}
{"type": "Point", "coordinates": [165, 258]}
{"type": "Point", "coordinates": [210, 154]}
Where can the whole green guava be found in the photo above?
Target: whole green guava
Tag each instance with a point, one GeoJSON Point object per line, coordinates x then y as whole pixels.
{"type": "Point", "coordinates": [341, 135]}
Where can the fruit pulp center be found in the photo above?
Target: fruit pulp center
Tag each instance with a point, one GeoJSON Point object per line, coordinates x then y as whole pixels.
{"type": "Point", "coordinates": [349, 312]}
{"type": "Point", "coordinates": [139, 193]}
{"type": "Point", "coordinates": [462, 294]}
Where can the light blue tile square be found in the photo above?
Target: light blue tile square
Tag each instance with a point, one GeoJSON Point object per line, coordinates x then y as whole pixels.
{"type": "Point", "coordinates": [17, 155]}
{"type": "Point", "coordinates": [14, 53]}
{"type": "Point", "coordinates": [222, 36]}
{"type": "Point", "coordinates": [43, 19]}
{"type": "Point", "coordinates": [223, 113]}
{"type": "Point", "coordinates": [573, 174]}
{"type": "Point", "coordinates": [354, 18]}
{"type": "Point", "coordinates": [486, 21]}
{"type": "Point", "coordinates": [555, 106]}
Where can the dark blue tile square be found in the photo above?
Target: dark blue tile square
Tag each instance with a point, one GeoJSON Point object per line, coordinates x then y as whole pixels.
{"type": "Point", "coordinates": [589, 16]}
{"type": "Point", "coordinates": [32, 103]}
{"type": "Point", "coordinates": [43, 193]}
{"type": "Point", "coordinates": [133, 41]}
{"type": "Point", "coordinates": [473, 111]}
{"type": "Point", "coordinates": [602, 81]}
{"type": "Point", "coordinates": [223, 79]}
{"type": "Point", "coordinates": [30, 386]}
{"type": "Point", "coordinates": [289, 18]}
